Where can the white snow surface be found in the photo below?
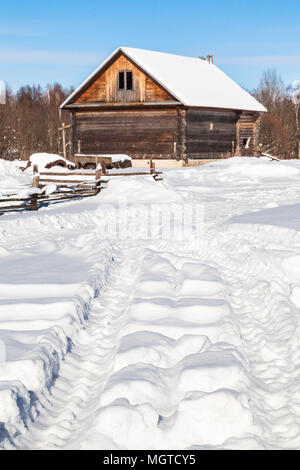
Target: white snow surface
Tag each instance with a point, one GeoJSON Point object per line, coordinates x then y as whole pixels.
{"type": "Point", "coordinates": [118, 157]}
{"type": "Point", "coordinates": [193, 81]}
{"type": "Point", "coordinates": [155, 343]}
{"type": "Point", "coordinates": [42, 159]}
{"type": "Point", "coordinates": [12, 179]}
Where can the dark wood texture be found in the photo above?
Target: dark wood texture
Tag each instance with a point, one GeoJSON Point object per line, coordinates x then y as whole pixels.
{"type": "Point", "coordinates": [210, 134]}
{"type": "Point", "coordinates": [141, 133]}
{"type": "Point", "coordinates": [105, 88]}
{"type": "Point", "coordinates": [182, 134]}
{"type": "Point", "coordinates": [248, 128]}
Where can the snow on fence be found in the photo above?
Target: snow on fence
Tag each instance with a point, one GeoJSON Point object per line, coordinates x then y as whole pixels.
{"type": "Point", "coordinates": [51, 187]}
{"type": "Point", "coordinates": [152, 171]}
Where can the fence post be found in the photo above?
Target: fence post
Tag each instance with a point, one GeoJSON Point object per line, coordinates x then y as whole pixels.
{"type": "Point", "coordinates": [35, 184]}
{"type": "Point", "coordinates": [97, 179]}
{"type": "Point", "coordinates": [34, 202]}
{"type": "Point", "coordinates": [152, 166]}
{"type": "Point", "coordinates": [64, 140]}
{"type": "Point", "coordinates": [36, 177]}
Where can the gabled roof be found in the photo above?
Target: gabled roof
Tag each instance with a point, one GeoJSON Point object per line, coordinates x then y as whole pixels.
{"type": "Point", "coordinates": [193, 81]}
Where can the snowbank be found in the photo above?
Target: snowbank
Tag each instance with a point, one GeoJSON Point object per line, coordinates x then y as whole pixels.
{"type": "Point", "coordinates": [116, 158]}
{"type": "Point", "coordinates": [256, 169]}
{"type": "Point", "coordinates": [46, 160]}
{"type": "Point", "coordinates": [287, 216]}
{"type": "Point", "coordinates": [11, 177]}
{"type": "Point", "coordinates": [155, 343]}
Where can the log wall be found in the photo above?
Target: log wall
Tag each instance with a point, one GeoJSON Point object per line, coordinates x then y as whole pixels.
{"type": "Point", "coordinates": [210, 133]}
{"type": "Point", "coordinates": [176, 132]}
{"type": "Point", "coordinates": [139, 133]}
{"type": "Point", "coordinates": [249, 128]}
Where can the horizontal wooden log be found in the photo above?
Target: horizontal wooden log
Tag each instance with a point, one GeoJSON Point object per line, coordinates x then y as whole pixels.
{"type": "Point", "coordinates": [134, 174]}
{"type": "Point", "coordinates": [198, 148]}
{"type": "Point", "coordinates": [49, 180]}
{"type": "Point", "coordinates": [65, 174]}
{"type": "Point", "coordinates": [73, 196]}
{"type": "Point", "coordinates": [199, 115]}
{"type": "Point", "coordinates": [12, 199]}
{"type": "Point", "coordinates": [2, 208]}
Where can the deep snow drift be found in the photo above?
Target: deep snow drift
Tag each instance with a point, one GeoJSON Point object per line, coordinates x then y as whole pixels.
{"type": "Point", "coordinates": [12, 179]}
{"type": "Point", "coordinates": [154, 338]}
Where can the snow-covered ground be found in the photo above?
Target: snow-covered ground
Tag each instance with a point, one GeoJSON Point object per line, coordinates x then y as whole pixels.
{"type": "Point", "coordinates": [11, 178]}
{"type": "Point", "coordinates": [138, 335]}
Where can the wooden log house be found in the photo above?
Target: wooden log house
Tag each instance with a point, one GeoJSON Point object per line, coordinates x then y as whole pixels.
{"type": "Point", "coordinates": [152, 104]}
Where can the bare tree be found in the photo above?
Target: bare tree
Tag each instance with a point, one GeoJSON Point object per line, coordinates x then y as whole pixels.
{"type": "Point", "coordinates": [30, 119]}
{"type": "Point", "coordinates": [278, 131]}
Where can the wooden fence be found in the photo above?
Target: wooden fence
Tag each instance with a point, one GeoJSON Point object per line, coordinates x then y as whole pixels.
{"type": "Point", "coordinates": [106, 162]}
{"type": "Point", "coordinates": [152, 171]}
{"type": "Point", "coordinates": [68, 185]}
{"type": "Point", "coordinates": [66, 188]}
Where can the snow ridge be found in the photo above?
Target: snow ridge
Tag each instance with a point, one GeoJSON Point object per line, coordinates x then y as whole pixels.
{"type": "Point", "coordinates": [154, 343]}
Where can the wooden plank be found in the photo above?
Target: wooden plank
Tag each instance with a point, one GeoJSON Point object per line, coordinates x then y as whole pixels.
{"type": "Point", "coordinates": [14, 199]}
{"type": "Point", "coordinates": [75, 196]}
{"type": "Point", "coordinates": [134, 174]}
{"type": "Point", "coordinates": [49, 173]}
{"type": "Point", "coordinates": [7, 208]}
{"type": "Point", "coordinates": [65, 126]}
{"type": "Point", "coordinates": [49, 180]}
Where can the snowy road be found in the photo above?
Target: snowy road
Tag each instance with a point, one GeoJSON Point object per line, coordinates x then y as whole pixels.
{"type": "Point", "coordinates": [70, 409]}
{"type": "Point", "coordinates": [154, 343]}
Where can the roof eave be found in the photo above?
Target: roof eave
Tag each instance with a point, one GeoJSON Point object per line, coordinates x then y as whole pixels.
{"type": "Point", "coordinates": [89, 78]}
{"type": "Point", "coordinates": [153, 78]}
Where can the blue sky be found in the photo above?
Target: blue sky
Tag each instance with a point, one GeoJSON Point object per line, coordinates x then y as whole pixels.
{"type": "Point", "coordinates": [48, 41]}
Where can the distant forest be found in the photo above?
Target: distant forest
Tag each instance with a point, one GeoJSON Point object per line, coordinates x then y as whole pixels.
{"type": "Point", "coordinates": [30, 119]}
{"type": "Point", "coordinates": [279, 130]}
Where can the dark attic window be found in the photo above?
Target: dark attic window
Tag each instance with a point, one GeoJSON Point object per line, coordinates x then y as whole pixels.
{"type": "Point", "coordinates": [125, 80]}
{"type": "Point", "coordinates": [129, 81]}
{"type": "Point", "coordinates": [121, 80]}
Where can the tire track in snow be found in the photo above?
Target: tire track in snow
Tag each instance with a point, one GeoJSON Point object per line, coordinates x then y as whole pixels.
{"type": "Point", "coordinates": [269, 326]}
{"type": "Point", "coordinates": [268, 321]}
{"type": "Point", "coordinates": [65, 418]}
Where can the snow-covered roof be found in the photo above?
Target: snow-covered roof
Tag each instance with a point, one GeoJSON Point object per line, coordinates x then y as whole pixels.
{"type": "Point", "coordinates": [192, 81]}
